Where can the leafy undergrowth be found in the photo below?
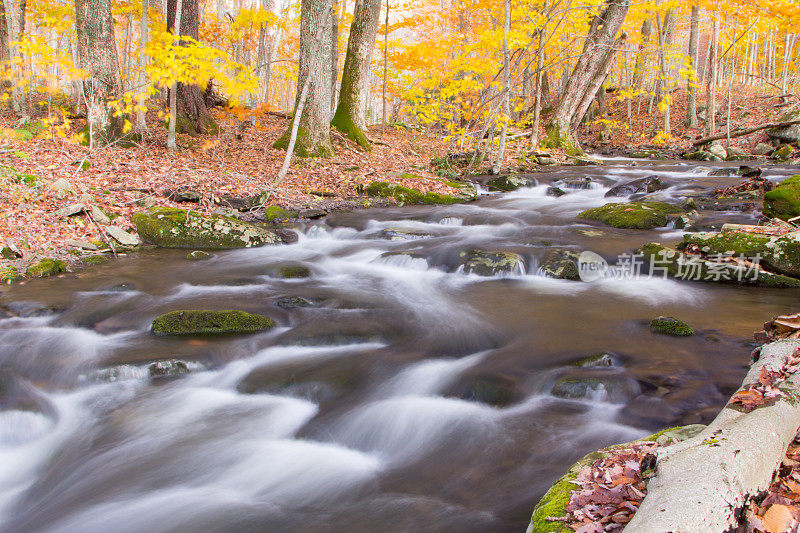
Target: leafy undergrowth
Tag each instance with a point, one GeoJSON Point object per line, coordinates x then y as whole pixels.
{"type": "Point", "coordinates": [610, 490]}
{"type": "Point", "coordinates": [121, 181]}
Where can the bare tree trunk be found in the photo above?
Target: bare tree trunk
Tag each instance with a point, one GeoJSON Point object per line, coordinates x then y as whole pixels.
{"type": "Point", "coordinates": [17, 103]}
{"type": "Point", "coordinates": [589, 73]}
{"type": "Point", "coordinates": [141, 124]}
{"type": "Point", "coordinates": [711, 86]}
{"type": "Point", "coordinates": [350, 116]}
{"type": "Point", "coordinates": [540, 77]}
{"type": "Point", "coordinates": [334, 52]}
{"type": "Point", "coordinates": [5, 51]}
{"type": "Point", "coordinates": [97, 53]}
{"type": "Point", "coordinates": [694, 41]}
{"type": "Point", "coordinates": [663, 94]}
{"type": "Point", "coordinates": [313, 134]}
{"type": "Point", "coordinates": [787, 55]}
{"type": "Point", "coordinates": [173, 93]}
{"type": "Point", "coordinates": [193, 115]}
{"type": "Point", "coordinates": [501, 151]}
{"type": "Point", "coordinates": [641, 57]}
{"type": "Point", "coordinates": [385, 61]}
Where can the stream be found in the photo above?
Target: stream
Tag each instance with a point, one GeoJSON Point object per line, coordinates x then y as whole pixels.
{"type": "Point", "coordinates": [397, 393]}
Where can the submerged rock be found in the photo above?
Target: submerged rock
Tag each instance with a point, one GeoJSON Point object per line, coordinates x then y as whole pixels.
{"type": "Point", "coordinates": [599, 360]}
{"type": "Point", "coordinates": [508, 183]}
{"type": "Point", "coordinates": [177, 228]}
{"type": "Point", "coordinates": [294, 302]}
{"type": "Point", "coordinates": [633, 215]}
{"type": "Point", "coordinates": [198, 255]}
{"type": "Point", "coordinates": [617, 387]}
{"type": "Point", "coordinates": [647, 185]}
{"type": "Point", "coordinates": [203, 322]}
{"type": "Point", "coordinates": [168, 368]}
{"type": "Point", "coordinates": [668, 325]}
{"type": "Point", "coordinates": [294, 272]}
{"type": "Point", "coordinates": [561, 264]}
{"type": "Point", "coordinates": [400, 234]}
{"type": "Point", "coordinates": [784, 201]}
{"type": "Point", "coordinates": [492, 390]}
{"type": "Point", "coordinates": [577, 183]}
{"type": "Point", "coordinates": [555, 192]}
{"type": "Point", "coordinates": [484, 263]}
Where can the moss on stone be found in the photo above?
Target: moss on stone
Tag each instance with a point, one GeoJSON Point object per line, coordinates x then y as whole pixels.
{"type": "Point", "coordinates": [668, 325]}
{"type": "Point", "coordinates": [203, 322]}
{"type": "Point", "coordinates": [780, 253]}
{"type": "Point", "coordinates": [46, 267]}
{"type": "Point", "coordinates": [508, 183]}
{"type": "Point", "coordinates": [784, 201]}
{"type": "Point", "coordinates": [561, 264]}
{"type": "Point", "coordinates": [177, 228]}
{"type": "Point", "coordinates": [407, 196]}
{"type": "Point", "coordinates": [633, 215]}
{"type": "Point", "coordinates": [95, 259]}
{"type": "Point", "coordinates": [294, 272]}
{"type": "Point", "coordinates": [483, 263]}
{"type": "Point", "coordinates": [198, 255]}
{"type": "Point", "coordinates": [276, 213]}
{"type": "Point", "coordinates": [343, 121]}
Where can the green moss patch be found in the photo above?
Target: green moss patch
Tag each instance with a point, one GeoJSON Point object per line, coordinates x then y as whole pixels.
{"type": "Point", "coordinates": [668, 325]}
{"type": "Point", "coordinates": [406, 195]}
{"type": "Point", "coordinates": [278, 214]}
{"type": "Point", "coordinates": [46, 267]}
{"type": "Point", "coordinates": [178, 228]}
{"type": "Point", "coordinates": [633, 215]}
{"type": "Point", "coordinates": [483, 263]}
{"type": "Point", "coordinates": [294, 272]}
{"type": "Point", "coordinates": [784, 201]}
{"type": "Point", "coordinates": [202, 322]}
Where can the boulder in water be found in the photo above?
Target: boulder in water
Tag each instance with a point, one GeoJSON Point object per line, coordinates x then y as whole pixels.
{"type": "Point", "coordinates": [203, 322]}
{"type": "Point", "coordinates": [168, 368]}
{"type": "Point", "coordinates": [294, 272]}
{"type": "Point", "coordinates": [784, 201]}
{"type": "Point", "coordinates": [555, 192]}
{"type": "Point", "coordinates": [294, 302]}
{"type": "Point", "coordinates": [178, 228]}
{"type": "Point", "coordinates": [508, 183]}
{"type": "Point", "coordinates": [646, 185]}
{"type": "Point", "coordinates": [561, 264]}
{"type": "Point", "coordinates": [668, 325]}
{"type": "Point", "coordinates": [633, 215]}
{"type": "Point", "coordinates": [400, 234]}
{"type": "Point", "coordinates": [484, 263]}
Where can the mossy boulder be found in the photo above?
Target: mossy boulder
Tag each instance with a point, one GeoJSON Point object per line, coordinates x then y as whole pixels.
{"type": "Point", "coordinates": [204, 322]}
{"type": "Point", "coordinates": [554, 503]}
{"type": "Point", "coordinates": [276, 214]}
{"type": "Point", "coordinates": [779, 253]}
{"type": "Point", "coordinates": [483, 263]}
{"type": "Point", "coordinates": [784, 201]}
{"type": "Point", "coordinates": [508, 183]}
{"type": "Point", "coordinates": [701, 155]}
{"type": "Point", "coordinates": [294, 272]}
{"type": "Point", "coordinates": [198, 255]}
{"type": "Point", "coordinates": [405, 195]}
{"type": "Point", "coordinates": [633, 215]}
{"type": "Point", "coordinates": [667, 325]}
{"type": "Point", "coordinates": [178, 228]}
{"type": "Point", "coordinates": [695, 268]}
{"type": "Point", "coordinates": [561, 264]}
{"type": "Point", "coordinates": [46, 267]}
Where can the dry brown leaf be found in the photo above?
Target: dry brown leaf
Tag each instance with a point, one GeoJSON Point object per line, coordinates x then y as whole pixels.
{"type": "Point", "coordinates": [778, 519]}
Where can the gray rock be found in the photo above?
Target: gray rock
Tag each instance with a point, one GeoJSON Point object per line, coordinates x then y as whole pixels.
{"type": "Point", "coordinates": [170, 368]}
{"type": "Point", "coordinates": [762, 149]}
{"type": "Point", "coordinates": [789, 134]}
{"type": "Point", "coordinates": [718, 151]}
{"type": "Point", "coordinates": [83, 245]}
{"type": "Point", "coordinates": [555, 192]}
{"type": "Point", "coordinates": [62, 188]}
{"type": "Point", "coordinates": [736, 154]}
{"type": "Point", "coordinates": [122, 236]}
{"type": "Point", "coordinates": [647, 185]}
{"type": "Point", "coordinates": [99, 216]}
{"type": "Point", "coordinates": [547, 161]}
{"type": "Point", "coordinates": [508, 183]}
{"type": "Point", "coordinates": [312, 213]}
{"type": "Point", "coordinates": [701, 155]}
{"type": "Point", "coordinates": [69, 211]}
{"type": "Point", "coordinates": [561, 264]}
{"type": "Point", "coordinates": [484, 263]}
{"type": "Point", "coordinates": [400, 234]}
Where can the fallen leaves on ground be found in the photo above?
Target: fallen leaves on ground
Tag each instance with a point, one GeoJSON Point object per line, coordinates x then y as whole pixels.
{"type": "Point", "coordinates": [767, 390]}
{"type": "Point", "coordinates": [779, 509]}
{"type": "Point", "coordinates": [610, 490]}
{"type": "Point", "coordinates": [780, 327]}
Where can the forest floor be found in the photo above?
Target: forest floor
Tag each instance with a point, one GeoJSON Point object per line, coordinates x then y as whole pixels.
{"type": "Point", "coordinates": [47, 173]}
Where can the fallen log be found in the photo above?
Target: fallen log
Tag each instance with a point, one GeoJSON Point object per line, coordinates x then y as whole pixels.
{"type": "Point", "coordinates": [742, 133]}
{"type": "Point", "coordinates": [702, 484]}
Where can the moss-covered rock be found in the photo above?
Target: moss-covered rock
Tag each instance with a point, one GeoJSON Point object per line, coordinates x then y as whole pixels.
{"type": "Point", "coordinates": [554, 503]}
{"type": "Point", "coordinates": [561, 264]}
{"type": "Point", "coordinates": [780, 254]}
{"type": "Point", "coordinates": [784, 201]}
{"type": "Point", "coordinates": [178, 228]}
{"type": "Point", "coordinates": [198, 255]}
{"type": "Point", "coordinates": [668, 325]}
{"type": "Point", "coordinates": [46, 267]}
{"type": "Point", "coordinates": [9, 274]}
{"type": "Point", "coordinates": [634, 215]}
{"type": "Point", "coordinates": [278, 214]}
{"type": "Point", "coordinates": [508, 183]}
{"type": "Point", "coordinates": [483, 263]}
{"type": "Point", "coordinates": [204, 322]}
{"type": "Point", "coordinates": [406, 195]}
{"type": "Point", "coordinates": [695, 268]}
{"type": "Point", "coordinates": [783, 153]}
{"type": "Point", "coordinates": [294, 272]}
{"type": "Point", "coordinates": [701, 155]}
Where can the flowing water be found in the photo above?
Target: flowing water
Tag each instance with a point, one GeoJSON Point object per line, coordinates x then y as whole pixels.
{"type": "Point", "coordinates": [399, 394]}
